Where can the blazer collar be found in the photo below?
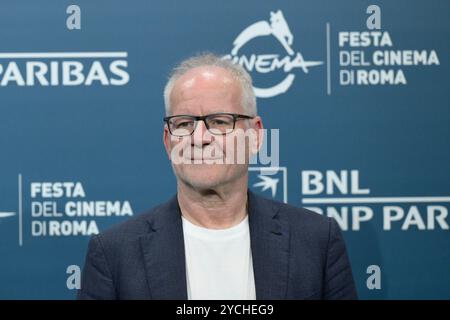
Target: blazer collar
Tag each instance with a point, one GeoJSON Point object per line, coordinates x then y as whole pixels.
{"type": "Point", "coordinates": [164, 255]}
{"type": "Point", "coordinates": [163, 252]}
{"type": "Point", "coordinates": [269, 237]}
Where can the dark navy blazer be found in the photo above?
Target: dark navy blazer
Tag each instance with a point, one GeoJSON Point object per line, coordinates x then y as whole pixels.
{"type": "Point", "coordinates": [297, 254]}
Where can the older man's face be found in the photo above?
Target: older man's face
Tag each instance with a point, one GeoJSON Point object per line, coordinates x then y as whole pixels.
{"type": "Point", "coordinates": [204, 91]}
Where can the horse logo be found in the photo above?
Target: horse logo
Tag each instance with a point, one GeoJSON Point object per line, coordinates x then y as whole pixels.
{"type": "Point", "coordinates": [279, 29]}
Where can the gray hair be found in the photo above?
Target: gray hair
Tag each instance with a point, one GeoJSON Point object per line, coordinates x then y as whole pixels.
{"type": "Point", "coordinates": [209, 59]}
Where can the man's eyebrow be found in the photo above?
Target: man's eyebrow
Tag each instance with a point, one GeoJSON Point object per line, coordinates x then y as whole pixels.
{"type": "Point", "coordinates": [186, 112]}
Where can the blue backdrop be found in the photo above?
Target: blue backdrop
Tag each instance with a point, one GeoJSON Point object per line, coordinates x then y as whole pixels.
{"type": "Point", "coordinates": [360, 96]}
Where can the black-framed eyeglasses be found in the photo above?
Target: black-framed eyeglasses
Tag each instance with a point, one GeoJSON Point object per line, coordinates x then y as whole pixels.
{"type": "Point", "coordinates": [217, 123]}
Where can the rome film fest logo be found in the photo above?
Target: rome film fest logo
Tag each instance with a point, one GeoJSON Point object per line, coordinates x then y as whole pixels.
{"type": "Point", "coordinates": [371, 57]}
{"type": "Point", "coordinates": [266, 63]}
{"type": "Point", "coordinates": [61, 209]}
{"type": "Point", "coordinates": [367, 57]}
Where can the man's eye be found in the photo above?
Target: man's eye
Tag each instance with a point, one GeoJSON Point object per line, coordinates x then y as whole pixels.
{"type": "Point", "coordinates": [184, 124]}
{"type": "Point", "coordinates": [219, 122]}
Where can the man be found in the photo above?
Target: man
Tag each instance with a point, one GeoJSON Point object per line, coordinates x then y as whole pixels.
{"type": "Point", "coordinates": [215, 239]}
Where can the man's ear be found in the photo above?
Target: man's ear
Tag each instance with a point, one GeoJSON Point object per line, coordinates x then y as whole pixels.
{"type": "Point", "coordinates": [258, 127]}
{"type": "Point", "coordinates": [166, 140]}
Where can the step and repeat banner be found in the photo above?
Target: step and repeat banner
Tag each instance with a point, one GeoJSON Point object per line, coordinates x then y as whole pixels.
{"type": "Point", "coordinates": [359, 91]}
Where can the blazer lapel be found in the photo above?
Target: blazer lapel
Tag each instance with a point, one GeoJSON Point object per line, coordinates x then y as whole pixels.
{"type": "Point", "coordinates": [269, 238]}
{"type": "Point", "coordinates": [163, 252]}
{"type": "Point", "coordinates": [164, 256]}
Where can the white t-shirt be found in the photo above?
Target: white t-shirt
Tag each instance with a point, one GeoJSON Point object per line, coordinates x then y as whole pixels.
{"type": "Point", "coordinates": [219, 262]}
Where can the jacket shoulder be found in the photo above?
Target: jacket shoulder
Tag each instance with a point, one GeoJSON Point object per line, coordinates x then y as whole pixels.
{"type": "Point", "coordinates": [303, 223]}
{"type": "Point", "coordinates": [131, 228]}
{"type": "Point", "coordinates": [296, 214]}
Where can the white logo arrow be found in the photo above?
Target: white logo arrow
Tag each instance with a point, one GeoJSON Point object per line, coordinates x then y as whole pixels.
{"type": "Point", "coordinates": [266, 183]}
{"type": "Point", "coordinates": [7, 214]}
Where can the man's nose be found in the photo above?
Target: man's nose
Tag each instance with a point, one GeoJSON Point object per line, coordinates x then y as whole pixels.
{"type": "Point", "coordinates": [201, 135]}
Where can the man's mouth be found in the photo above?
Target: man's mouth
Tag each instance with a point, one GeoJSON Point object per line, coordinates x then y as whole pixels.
{"type": "Point", "coordinates": [204, 158]}
{"type": "Point", "coordinates": [197, 155]}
